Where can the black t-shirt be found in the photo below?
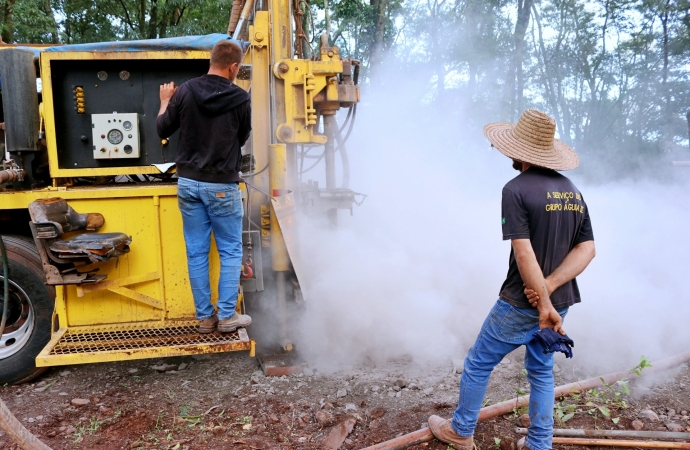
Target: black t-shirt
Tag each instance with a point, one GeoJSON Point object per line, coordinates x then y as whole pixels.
{"type": "Point", "coordinates": [545, 207]}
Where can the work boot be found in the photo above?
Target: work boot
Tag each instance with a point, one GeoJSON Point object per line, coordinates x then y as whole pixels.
{"type": "Point", "coordinates": [233, 323]}
{"type": "Point", "coordinates": [207, 326]}
{"type": "Point", "coordinates": [443, 431]}
{"type": "Point", "coordinates": [521, 444]}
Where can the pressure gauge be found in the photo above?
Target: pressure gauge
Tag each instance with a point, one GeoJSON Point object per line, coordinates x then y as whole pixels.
{"type": "Point", "coordinates": [102, 75]}
{"type": "Point", "coordinates": [124, 75]}
{"type": "Point", "coordinates": [115, 136]}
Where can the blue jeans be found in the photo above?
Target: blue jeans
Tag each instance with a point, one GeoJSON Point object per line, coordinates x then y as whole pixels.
{"type": "Point", "coordinates": [505, 329]}
{"type": "Point", "coordinates": [217, 207]}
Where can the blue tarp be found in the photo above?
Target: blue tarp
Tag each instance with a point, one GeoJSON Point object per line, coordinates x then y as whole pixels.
{"type": "Point", "coordinates": [175, 43]}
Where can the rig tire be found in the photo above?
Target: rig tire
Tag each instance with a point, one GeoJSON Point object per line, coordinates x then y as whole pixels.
{"type": "Point", "coordinates": [27, 280]}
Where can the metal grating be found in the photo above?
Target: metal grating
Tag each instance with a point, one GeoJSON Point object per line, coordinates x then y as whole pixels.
{"type": "Point", "coordinates": [140, 339]}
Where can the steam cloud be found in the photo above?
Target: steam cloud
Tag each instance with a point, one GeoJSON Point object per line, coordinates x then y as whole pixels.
{"type": "Point", "coordinates": [416, 269]}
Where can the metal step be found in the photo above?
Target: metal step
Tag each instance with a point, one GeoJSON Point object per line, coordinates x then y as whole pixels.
{"type": "Point", "coordinates": [137, 341]}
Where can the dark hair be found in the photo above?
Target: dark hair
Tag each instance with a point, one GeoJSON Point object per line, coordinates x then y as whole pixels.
{"type": "Point", "coordinates": [225, 53]}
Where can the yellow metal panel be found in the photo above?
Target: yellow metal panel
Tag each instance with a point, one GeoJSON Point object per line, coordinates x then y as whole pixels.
{"type": "Point", "coordinates": [21, 199]}
{"type": "Point", "coordinates": [138, 296]}
{"type": "Point", "coordinates": [48, 105]}
{"type": "Point", "coordinates": [131, 210]}
{"type": "Point", "coordinates": [135, 279]}
{"type": "Point", "coordinates": [278, 174]}
{"type": "Point", "coordinates": [134, 217]}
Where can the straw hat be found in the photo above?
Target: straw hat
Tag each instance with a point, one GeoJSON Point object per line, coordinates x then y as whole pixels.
{"type": "Point", "coordinates": [532, 141]}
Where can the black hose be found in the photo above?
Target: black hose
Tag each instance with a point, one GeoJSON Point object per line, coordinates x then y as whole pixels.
{"type": "Point", "coordinates": [6, 286]}
{"type": "Point", "coordinates": [347, 118]}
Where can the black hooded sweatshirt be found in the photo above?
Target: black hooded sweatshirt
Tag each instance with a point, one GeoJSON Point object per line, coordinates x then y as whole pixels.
{"type": "Point", "coordinates": [214, 118]}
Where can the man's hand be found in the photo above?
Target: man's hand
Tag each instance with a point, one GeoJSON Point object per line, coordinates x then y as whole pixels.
{"type": "Point", "coordinates": [167, 91]}
{"type": "Point", "coordinates": [533, 297]}
{"type": "Point", "coordinates": [549, 318]}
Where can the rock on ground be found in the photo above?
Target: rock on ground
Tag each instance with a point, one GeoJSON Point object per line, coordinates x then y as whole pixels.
{"type": "Point", "coordinates": [339, 433]}
{"type": "Point", "coordinates": [676, 427]}
{"type": "Point", "coordinates": [637, 424]}
{"type": "Point", "coordinates": [649, 415]}
{"type": "Point", "coordinates": [80, 401]}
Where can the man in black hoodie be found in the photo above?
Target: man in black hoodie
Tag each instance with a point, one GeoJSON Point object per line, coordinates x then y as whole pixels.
{"type": "Point", "coordinates": [214, 118]}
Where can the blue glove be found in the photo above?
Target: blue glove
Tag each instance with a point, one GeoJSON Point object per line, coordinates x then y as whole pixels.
{"type": "Point", "coordinates": [554, 342]}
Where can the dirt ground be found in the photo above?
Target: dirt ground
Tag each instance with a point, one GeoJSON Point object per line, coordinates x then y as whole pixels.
{"type": "Point", "coordinates": [223, 401]}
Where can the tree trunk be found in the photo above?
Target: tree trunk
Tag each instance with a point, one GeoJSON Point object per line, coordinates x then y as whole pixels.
{"type": "Point", "coordinates": [142, 19]}
{"type": "Point", "coordinates": [512, 92]}
{"type": "Point", "coordinates": [8, 23]}
{"type": "Point", "coordinates": [664, 78]}
{"type": "Point", "coordinates": [153, 20]}
{"type": "Point", "coordinates": [376, 56]}
{"type": "Point", "coordinates": [548, 78]}
{"type": "Point", "coordinates": [54, 28]}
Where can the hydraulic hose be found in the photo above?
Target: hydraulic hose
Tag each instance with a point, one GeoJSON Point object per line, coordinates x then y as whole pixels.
{"type": "Point", "coordinates": [5, 286]}
{"type": "Point", "coordinates": [9, 424]}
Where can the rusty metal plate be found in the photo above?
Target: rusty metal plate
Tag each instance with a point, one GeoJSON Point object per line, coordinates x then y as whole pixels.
{"type": "Point", "coordinates": [285, 209]}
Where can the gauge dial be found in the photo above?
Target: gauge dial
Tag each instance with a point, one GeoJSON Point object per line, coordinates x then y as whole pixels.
{"type": "Point", "coordinates": [115, 136]}
{"type": "Point", "coordinates": [127, 125]}
{"type": "Point", "coordinates": [102, 75]}
{"type": "Point", "coordinates": [124, 75]}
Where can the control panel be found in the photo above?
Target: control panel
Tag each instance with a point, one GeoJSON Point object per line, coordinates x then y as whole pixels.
{"type": "Point", "coordinates": [115, 136]}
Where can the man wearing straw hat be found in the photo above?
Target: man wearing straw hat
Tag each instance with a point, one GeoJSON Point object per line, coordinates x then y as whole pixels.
{"type": "Point", "coordinates": [547, 221]}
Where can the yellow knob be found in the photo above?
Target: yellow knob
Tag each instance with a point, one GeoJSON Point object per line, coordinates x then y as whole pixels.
{"type": "Point", "coordinates": [164, 142]}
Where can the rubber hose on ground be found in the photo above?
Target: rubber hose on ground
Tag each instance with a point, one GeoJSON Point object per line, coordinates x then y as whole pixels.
{"type": "Point", "coordinates": [17, 432]}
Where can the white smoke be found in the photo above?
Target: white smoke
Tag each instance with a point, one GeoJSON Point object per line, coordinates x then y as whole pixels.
{"type": "Point", "coordinates": [420, 263]}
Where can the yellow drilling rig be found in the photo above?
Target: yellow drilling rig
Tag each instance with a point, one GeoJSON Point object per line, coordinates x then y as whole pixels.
{"type": "Point", "coordinates": [88, 198]}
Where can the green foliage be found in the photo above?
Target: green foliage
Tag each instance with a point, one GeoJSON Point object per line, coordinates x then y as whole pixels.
{"type": "Point", "coordinates": [615, 75]}
{"type": "Point", "coordinates": [644, 363]}
{"type": "Point", "coordinates": [604, 403]}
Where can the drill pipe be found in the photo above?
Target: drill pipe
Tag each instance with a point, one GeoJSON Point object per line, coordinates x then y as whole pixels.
{"type": "Point", "coordinates": [619, 443]}
{"type": "Point", "coordinates": [489, 412]}
{"type": "Point", "coordinates": [567, 432]}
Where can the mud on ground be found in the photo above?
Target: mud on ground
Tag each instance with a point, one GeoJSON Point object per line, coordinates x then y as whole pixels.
{"type": "Point", "coordinates": [224, 402]}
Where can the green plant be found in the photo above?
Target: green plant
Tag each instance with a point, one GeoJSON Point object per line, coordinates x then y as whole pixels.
{"type": "Point", "coordinates": [644, 363]}
{"type": "Point", "coordinates": [563, 412]}
{"type": "Point", "coordinates": [497, 442]}
{"type": "Point", "coordinates": [244, 420]}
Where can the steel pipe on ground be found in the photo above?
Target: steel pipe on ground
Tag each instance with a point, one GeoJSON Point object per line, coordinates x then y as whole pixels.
{"type": "Point", "coordinates": [564, 432]}
{"type": "Point", "coordinates": [489, 412]}
{"type": "Point", "coordinates": [619, 443]}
